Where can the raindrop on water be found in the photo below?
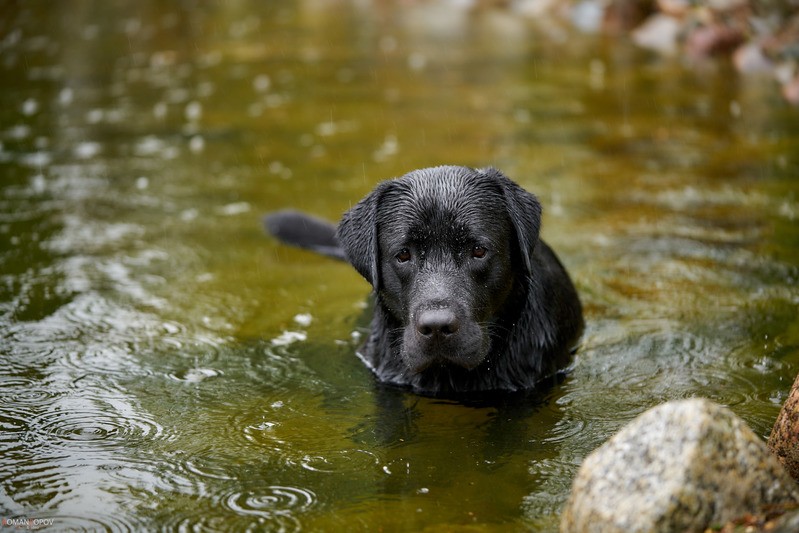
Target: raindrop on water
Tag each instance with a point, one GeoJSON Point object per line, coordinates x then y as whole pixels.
{"type": "Point", "coordinates": [94, 116]}
{"type": "Point", "coordinates": [66, 96]}
{"type": "Point", "coordinates": [18, 132]}
{"type": "Point", "coordinates": [289, 337]}
{"type": "Point", "coordinates": [303, 319]}
{"type": "Point", "coordinates": [197, 144]}
{"type": "Point", "coordinates": [189, 214]}
{"type": "Point", "coordinates": [417, 61]}
{"type": "Point", "coordinates": [233, 209]}
{"type": "Point", "coordinates": [195, 375]}
{"type": "Point", "coordinates": [261, 83]}
{"type": "Point", "coordinates": [38, 184]}
{"type": "Point", "coordinates": [160, 110]}
{"type": "Point", "coordinates": [87, 150]}
{"type": "Point", "coordinates": [30, 107]}
{"type": "Point", "coordinates": [194, 111]}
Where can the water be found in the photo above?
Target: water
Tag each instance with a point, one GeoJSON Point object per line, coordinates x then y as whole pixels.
{"type": "Point", "coordinates": [167, 366]}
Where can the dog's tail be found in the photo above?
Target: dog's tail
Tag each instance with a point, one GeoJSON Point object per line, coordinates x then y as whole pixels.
{"type": "Point", "coordinates": [304, 231]}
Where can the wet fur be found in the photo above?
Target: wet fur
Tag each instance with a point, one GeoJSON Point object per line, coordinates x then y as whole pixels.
{"type": "Point", "coordinates": [503, 321]}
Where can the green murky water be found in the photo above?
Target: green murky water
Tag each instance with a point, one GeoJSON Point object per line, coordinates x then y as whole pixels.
{"type": "Point", "coordinates": [164, 365]}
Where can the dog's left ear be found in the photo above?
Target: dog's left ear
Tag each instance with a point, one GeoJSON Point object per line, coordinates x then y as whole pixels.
{"type": "Point", "coordinates": [357, 234]}
{"type": "Point", "coordinates": [525, 214]}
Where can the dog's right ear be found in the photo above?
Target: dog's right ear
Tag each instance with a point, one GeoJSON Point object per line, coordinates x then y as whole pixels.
{"type": "Point", "coordinates": [357, 234]}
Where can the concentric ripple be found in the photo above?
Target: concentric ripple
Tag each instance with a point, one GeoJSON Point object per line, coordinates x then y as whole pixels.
{"type": "Point", "coordinates": [30, 397]}
{"type": "Point", "coordinates": [239, 512]}
{"type": "Point", "coordinates": [210, 464]}
{"type": "Point", "coordinates": [352, 459]}
{"type": "Point", "coordinates": [13, 422]}
{"type": "Point", "coordinates": [277, 365]}
{"type": "Point", "coordinates": [78, 422]}
{"type": "Point", "coordinates": [319, 453]}
{"type": "Point", "coordinates": [565, 430]}
{"type": "Point", "coordinates": [277, 506]}
{"type": "Point", "coordinates": [92, 522]}
{"type": "Point", "coordinates": [310, 441]}
{"type": "Point", "coordinates": [101, 359]}
{"type": "Point", "coordinates": [154, 473]}
{"type": "Point", "coordinates": [17, 392]}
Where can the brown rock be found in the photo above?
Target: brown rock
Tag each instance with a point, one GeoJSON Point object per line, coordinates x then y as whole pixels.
{"type": "Point", "coordinates": [713, 39]}
{"type": "Point", "coordinates": [624, 15]}
{"type": "Point", "coordinates": [784, 438]}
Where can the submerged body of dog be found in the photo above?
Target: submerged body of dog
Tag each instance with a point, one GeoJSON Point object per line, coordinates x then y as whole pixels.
{"type": "Point", "coordinates": [467, 297]}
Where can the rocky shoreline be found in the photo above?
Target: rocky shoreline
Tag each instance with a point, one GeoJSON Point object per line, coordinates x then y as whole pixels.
{"type": "Point", "coordinates": [760, 38]}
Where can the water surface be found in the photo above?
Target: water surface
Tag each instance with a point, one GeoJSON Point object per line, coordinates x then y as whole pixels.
{"type": "Point", "coordinates": [165, 365]}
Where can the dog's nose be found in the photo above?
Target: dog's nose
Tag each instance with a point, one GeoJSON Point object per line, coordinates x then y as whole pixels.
{"type": "Point", "coordinates": [437, 323]}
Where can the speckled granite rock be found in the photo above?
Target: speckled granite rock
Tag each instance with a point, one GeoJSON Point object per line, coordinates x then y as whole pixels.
{"type": "Point", "coordinates": [681, 466]}
{"type": "Point", "coordinates": [784, 439]}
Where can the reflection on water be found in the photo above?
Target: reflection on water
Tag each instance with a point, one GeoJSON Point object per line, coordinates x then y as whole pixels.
{"type": "Point", "coordinates": [165, 365]}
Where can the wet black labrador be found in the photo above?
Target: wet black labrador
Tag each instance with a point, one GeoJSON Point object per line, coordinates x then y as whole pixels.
{"type": "Point", "coordinates": [467, 297]}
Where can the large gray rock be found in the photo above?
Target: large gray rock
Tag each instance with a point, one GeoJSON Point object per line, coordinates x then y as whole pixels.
{"type": "Point", "coordinates": [784, 439]}
{"type": "Point", "coordinates": [681, 466]}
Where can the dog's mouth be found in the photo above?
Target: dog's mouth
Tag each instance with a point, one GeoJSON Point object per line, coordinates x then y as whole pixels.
{"type": "Point", "coordinates": [442, 363]}
{"type": "Point", "coordinates": [464, 353]}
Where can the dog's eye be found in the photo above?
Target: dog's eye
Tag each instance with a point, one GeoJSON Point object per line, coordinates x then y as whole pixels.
{"type": "Point", "coordinates": [478, 252]}
{"type": "Point", "coordinates": [403, 256]}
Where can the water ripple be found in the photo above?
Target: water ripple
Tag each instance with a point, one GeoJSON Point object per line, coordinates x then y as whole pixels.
{"type": "Point", "coordinates": [645, 363]}
{"type": "Point", "coordinates": [271, 508]}
{"type": "Point", "coordinates": [277, 505]}
{"type": "Point", "coordinates": [564, 430]}
{"type": "Point", "coordinates": [554, 477]}
{"type": "Point", "coordinates": [296, 438]}
{"type": "Point", "coordinates": [155, 473]}
{"type": "Point", "coordinates": [17, 392]}
{"type": "Point", "coordinates": [30, 397]}
{"type": "Point", "coordinates": [101, 358]}
{"type": "Point", "coordinates": [13, 421]}
{"type": "Point", "coordinates": [92, 522]}
{"type": "Point", "coordinates": [347, 460]}
{"type": "Point", "coordinates": [277, 365]}
{"type": "Point", "coordinates": [78, 422]}
{"type": "Point", "coordinates": [274, 500]}
{"type": "Point", "coordinates": [210, 465]}
{"type": "Point", "coordinates": [89, 333]}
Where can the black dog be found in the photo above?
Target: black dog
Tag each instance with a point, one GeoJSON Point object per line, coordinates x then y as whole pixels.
{"type": "Point", "coordinates": [467, 297]}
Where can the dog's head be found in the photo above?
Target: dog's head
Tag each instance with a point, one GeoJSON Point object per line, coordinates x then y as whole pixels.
{"type": "Point", "coordinates": [445, 248]}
